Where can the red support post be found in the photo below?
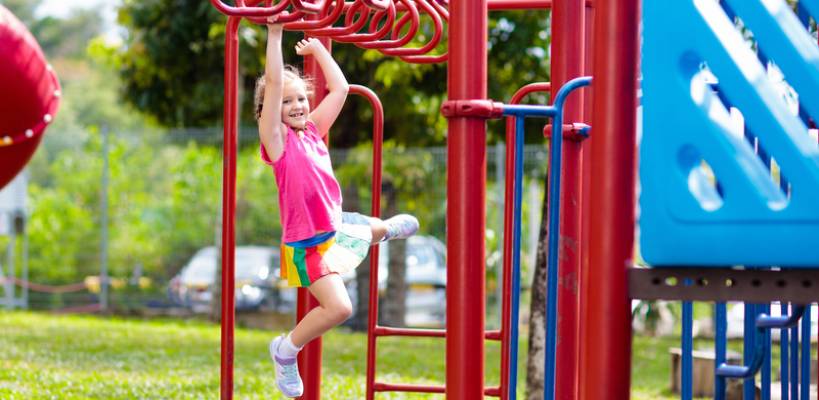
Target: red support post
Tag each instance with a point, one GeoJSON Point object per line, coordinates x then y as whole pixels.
{"type": "Point", "coordinates": [568, 43]}
{"type": "Point", "coordinates": [605, 334]}
{"type": "Point", "coordinates": [466, 203]}
{"type": "Point", "coordinates": [231, 127]}
{"type": "Point", "coordinates": [586, 200]}
{"type": "Point", "coordinates": [310, 356]}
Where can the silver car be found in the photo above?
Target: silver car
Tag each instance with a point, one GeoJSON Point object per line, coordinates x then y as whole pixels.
{"type": "Point", "coordinates": [426, 280]}
{"type": "Point", "coordinates": [256, 272]}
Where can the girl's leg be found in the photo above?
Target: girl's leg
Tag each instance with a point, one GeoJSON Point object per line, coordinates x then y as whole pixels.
{"type": "Point", "coordinates": [334, 308]}
{"type": "Point", "coordinates": [379, 229]}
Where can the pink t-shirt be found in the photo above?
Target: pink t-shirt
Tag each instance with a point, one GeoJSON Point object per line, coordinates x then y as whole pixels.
{"type": "Point", "coordinates": [309, 194]}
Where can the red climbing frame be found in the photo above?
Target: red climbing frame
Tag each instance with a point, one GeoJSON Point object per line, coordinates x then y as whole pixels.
{"type": "Point", "coordinates": [605, 362]}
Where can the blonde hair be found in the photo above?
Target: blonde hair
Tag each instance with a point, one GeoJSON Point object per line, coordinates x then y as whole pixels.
{"type": "Point", "coordinates": [290, 74]}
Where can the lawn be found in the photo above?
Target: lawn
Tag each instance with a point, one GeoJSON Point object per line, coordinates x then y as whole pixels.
{"type": "Point", "coordinates": [84, 357]}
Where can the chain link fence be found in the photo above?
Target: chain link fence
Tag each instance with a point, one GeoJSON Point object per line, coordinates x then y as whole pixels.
{"type": "Point", "coordinates": [132, 208]}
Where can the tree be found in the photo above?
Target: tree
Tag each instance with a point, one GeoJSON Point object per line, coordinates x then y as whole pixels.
{"type": "Point", "coordinates": [173, 59]}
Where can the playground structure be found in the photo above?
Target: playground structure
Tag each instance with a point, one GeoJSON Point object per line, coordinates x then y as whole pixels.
{"type": "Point", "coordinates": [467, 110]}
{"type": "Point", "coordinates": [700, 186]}
{"type": "Point", "coordinates": [31, 95]}
{"type": "Point", "coordinates": [707, 198]}
{"type": "Point", "coordinates": [689, 218]}
{"type": "Point", "coordinates": [30, 99]}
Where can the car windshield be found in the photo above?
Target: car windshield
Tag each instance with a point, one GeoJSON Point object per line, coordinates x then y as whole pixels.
{"type": "Point", "coordinates": [419, 255]}
{"type": "Point", "coordinates": [201, 269]}
{"type": "Point", "coordinates": [252, 263]}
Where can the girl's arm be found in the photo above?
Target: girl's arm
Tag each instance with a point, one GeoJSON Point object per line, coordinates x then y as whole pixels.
{"type": "Point", "coordinates": [325, 114]}
{"type": "Point", "coordinates": [271, 133]}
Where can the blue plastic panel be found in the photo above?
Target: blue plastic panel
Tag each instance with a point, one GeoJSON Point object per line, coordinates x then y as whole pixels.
{"type": "Point", "coordinates": [739, 215]}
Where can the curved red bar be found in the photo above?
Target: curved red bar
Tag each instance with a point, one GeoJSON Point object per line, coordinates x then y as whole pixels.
{"type": "Point", "coordinates": [309, 8]}
{"type": "Point", "coordinates": [378, 4]}
{"type": "Point", "coordinates": [328, 20]}
{"type": "Point", "coordinates": [425, 59]}
{"type": "Point", "coordinates": [374, 34]}
{"type": "Point", "coordinates": [284, 17]}
{"type": "Point", "coordinates": [349, 26]}
{"type": "Point", "coordinates": [249, 11]}
{"type": "Point", "coordinates": [431, 59]}
{"type": "Point", "coordinates": [508, 215]}
{"type": "Point", "coordinates": [372, 314]}
{"type": "Point", "coordinates": [411, 16]}
{"type": "Point", "coordinates": [436, 36]}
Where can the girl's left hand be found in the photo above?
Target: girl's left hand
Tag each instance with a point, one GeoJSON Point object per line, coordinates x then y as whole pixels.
{"type": "Point", "coordinates": [308, 46]}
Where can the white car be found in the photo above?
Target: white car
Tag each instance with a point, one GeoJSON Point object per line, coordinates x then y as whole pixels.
{"type": "Point", "coordinates": [426, 280]}
{"type": "Point", "coordinates": [256, 272]}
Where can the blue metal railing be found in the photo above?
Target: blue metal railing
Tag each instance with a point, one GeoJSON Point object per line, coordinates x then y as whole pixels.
{"type": "Point", "coordinates": [520, 112]}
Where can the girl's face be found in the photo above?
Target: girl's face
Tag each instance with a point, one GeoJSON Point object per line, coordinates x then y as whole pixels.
{"type": "Point", "coordinates": [295, 108]}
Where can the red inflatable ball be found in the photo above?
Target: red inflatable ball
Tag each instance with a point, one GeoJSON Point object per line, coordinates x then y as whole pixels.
{"type": "Point", "coordinates": [29, 95]}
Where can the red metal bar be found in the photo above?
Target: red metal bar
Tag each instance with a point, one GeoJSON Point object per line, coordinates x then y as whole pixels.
{"type": "Point", "coordinates": [351, 25]}
{"type": "Point", "coordinates": [412, 16]}
{"type": "Point", "coordinates": [411, 332]}
{"type": "Point", "coordinates": [585, 200]}
{"type": "Point", "coordinates": [605, 345]}
{"type": "Point", "coordinates": [245, 11]}
{"type": "Point", "coordinates": [375, 210]}
{"type": "Point", "coordinates": [310, 356]}
{"type": "Point", "coordinates": [373, 33]}
{"type": "Point", "coordinates": [229, 203]}
{"type": "Point", "coordinates": [328, 19]}
{"type": "Point", "coordinates": [310, 8]}
{"type": "Point", "coordinates": [466, 203]}
{"type": "Point", "coordinates": [498, 5]}
{"type": "Point", "coordinates": [567, 63]}
{"type": "Point", "coordinates": [438, 28]}
{"type": "Point", "coordinates": [404, 387]}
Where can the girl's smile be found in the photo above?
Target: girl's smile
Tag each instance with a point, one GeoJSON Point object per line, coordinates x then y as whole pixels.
{"type": "Point", "coordinates": [295, 106]}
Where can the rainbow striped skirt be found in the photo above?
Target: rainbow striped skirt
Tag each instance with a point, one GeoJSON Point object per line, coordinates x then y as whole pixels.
{"type": "Point", "coordinates": [337, 252]}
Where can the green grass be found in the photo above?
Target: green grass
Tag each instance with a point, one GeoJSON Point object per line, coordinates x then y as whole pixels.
{"type": "Point", "coordinates": [83, 357]}
{"type": "Point", "coordinates": [47, 356]}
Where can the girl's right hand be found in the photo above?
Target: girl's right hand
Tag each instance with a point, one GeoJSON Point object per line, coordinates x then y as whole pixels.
{"type": "Point", "coordinates": [273, 25]}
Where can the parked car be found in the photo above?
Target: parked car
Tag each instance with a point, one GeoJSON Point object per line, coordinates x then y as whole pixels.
{"type": "Point", "coordinates": [426, 280]}
{"type": "Point", "coordinates": [256, 277]}
{"type": "Point", "coordinates": [258, 285]}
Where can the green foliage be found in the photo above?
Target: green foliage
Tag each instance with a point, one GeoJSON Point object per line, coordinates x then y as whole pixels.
{"type": "Point", "coordinates": [163, 201]}
{"type": "Point", "coordinates": [172, 66]}
{"type": "Point", "coordinates": [411, 174]}
{"type": "Point", "coordinates": [173, 63]}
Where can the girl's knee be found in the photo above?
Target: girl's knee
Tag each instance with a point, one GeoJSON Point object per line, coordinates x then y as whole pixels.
{"type": "Point", "coordinates": [341, 311]}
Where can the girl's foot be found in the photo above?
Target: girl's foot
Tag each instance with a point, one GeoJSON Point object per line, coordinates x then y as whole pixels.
{"type": "Point", "coordinates": [287, 371]}
{"type": "Point", "coordinates": [401, 226]}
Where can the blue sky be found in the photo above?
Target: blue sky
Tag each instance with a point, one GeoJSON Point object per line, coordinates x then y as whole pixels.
{"type": "Point", "coordinates": [62, 8]}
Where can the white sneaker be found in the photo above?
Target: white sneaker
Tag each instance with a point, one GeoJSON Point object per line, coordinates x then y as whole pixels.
{"type": "Point", "coordinates": [401, 226]}
{"type": "Point", "coordinates": [287, 371]}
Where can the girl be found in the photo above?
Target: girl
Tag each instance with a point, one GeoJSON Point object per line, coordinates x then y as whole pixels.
{"type": "Point", "coordinates": [319, 241]}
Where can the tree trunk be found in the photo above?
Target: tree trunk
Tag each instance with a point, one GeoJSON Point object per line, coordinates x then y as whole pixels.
{"type": "Point", "coordinates": [358, 322]}
{"type": "Point", "coordinates": [537, 313]}
{"type": "Point", "coordinates": [395, 302]}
